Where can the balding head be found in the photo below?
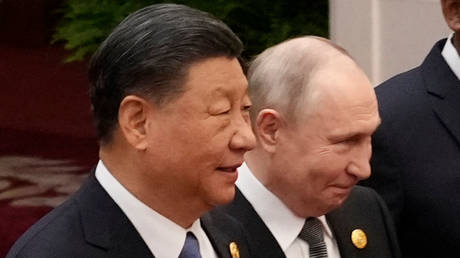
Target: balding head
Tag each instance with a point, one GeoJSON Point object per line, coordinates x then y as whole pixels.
{"type": "Point", "coordinates": [314, 112]}
{"type": "Point", "coordinates": [279, 78]}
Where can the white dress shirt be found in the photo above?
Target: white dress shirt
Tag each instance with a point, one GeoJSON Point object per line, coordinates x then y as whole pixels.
{"type": "Point", "coordinates": [280, 220]}
{"type": "Point", "coordinates": [451, 56]}
{"type": "Point", "coordinates": [163, 237]}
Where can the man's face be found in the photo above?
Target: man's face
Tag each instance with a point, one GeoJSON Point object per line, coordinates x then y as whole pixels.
{"type": "Point", "coordinates": [451, 12]}
{"type": "Point", "coordinates": [202, 135]}
{"type": "Point", "coordinates": [324, 154]}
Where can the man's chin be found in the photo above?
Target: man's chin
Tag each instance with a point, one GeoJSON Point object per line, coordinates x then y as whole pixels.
{"type": "Point", "coordinates": [337, 202]}
{"type": "Point", "coordinates": [224, 196]}
{"type": "Point", "coordinates": [332, 203]}
{"type": "Point", "coordinates": [340, 194]}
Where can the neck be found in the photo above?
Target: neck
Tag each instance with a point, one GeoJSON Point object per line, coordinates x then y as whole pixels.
{"type": "Point", "coordinates": [264, 167]}
{"type": "Point", "coordinates": [155, 191]}
{"type": "Point", "coordinates": [257, 162]}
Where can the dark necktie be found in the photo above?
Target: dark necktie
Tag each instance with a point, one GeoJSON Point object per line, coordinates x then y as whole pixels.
{"type": "Point", "coordinates": [191, 248]}
{"type": "Point", "coordinates": [312, 233]}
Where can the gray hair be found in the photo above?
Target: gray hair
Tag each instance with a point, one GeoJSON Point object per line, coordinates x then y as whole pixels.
{"type": "Point", "coordinates": [279, 77]}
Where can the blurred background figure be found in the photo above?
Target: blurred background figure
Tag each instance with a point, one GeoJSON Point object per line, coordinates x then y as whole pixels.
{"type": "Point", "coordinates": [416, 164]}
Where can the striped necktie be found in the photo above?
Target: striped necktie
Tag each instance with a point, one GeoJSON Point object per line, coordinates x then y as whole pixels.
{"type": "Point", "coordinates": [312, 233]}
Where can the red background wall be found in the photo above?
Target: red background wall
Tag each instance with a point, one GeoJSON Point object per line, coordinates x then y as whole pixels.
{"type": "Point", "coordinates": [44, 104]}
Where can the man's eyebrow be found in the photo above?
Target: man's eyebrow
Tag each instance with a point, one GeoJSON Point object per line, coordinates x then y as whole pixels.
{"type": "Point", "coordinates": [342, 135]}
{"type": "Point", "coordinates": [223, 91]}
{"type": "Point", "coordinates": [219, 92]}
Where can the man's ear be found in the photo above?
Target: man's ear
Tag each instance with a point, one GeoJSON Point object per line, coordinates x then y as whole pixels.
{"type": "Point", "coordinates": [268, 124]}
{"type": "Point", "coordinates": [132, 118]}
{"type": "Point", "coordinates": [451, 11]}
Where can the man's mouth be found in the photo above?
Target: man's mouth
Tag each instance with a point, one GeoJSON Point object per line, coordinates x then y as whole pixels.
{"type": "Point", "coordinates": [229, 169]}
{"type": "Point", "coordinates": [345, 186]}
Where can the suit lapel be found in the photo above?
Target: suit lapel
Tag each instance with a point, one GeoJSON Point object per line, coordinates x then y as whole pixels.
{"type": "Point", "coordinates": [363, 210]}
{"type": "Point", "coordinates": [355, 213]}
{"type": "Point", "coordinates": [105, 225]}
{"type": "Point", "coordinates": [340, 227]}
{"type": "Point", "coordinates": [262, 242]}
{"type": "Point", "coordinates": [444, 89]}
{"type": "Point", "coordinates": [219, 240]}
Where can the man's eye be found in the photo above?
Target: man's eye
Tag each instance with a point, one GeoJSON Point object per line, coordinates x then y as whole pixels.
{"type": "Point", "coordinates": [344, 141]}
{"type": "Point", "coordinates": [225, 112]}
{"type": "Point", "coordinates": [350, 140]}
{"type": "Point", "coordinates": [246, 108]}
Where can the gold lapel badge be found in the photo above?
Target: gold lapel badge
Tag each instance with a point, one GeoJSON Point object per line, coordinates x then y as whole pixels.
{"type": "Point", "coordinates": [234, 251]}
{"type": "Point", "coordinates": [359, 238]}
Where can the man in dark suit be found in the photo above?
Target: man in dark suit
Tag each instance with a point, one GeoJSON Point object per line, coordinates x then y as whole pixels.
{"type": "Point", "coordinates": [170, 103]}
{"type": "Point", "coordinates": [313, 115]}
{"type": "Point", "coordinates": [416, 160]}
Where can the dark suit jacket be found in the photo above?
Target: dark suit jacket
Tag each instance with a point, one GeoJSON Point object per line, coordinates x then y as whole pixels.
{"type": "Point", "coordinates": [364, 209]}
{"type": "Point", "coordinates": [90, 224]}
{"type": "Point", "coordinates": [416, 160]}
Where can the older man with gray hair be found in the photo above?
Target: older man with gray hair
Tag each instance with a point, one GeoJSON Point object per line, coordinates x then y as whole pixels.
{"type": "Point", "coordinates": [313, 115]}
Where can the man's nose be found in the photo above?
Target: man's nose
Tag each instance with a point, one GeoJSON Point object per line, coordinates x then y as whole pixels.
{"type": "Point", "coordinates": [360, 166]}
{"type": "Point", "coordinates": [243, 137]}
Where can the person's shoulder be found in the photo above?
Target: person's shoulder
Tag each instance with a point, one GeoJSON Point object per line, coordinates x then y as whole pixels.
{"type": "Point", "coordinates": [50, 235]}
{"type": "Point", "coordinates": [226, 231]}
{"type": "Point", "coordinates": [402, 96]}
{"type": "Point", "coordinates": [362, 205]}
{"type": "Point", "coordinates": [362, 193]}
{"type": "Point", "coordinates": [401, 81]}
{"type": "Point", "coordinates": [239, 208]}
{"type": "Point", "coordinates": [365, 196]}
{"type": "Point", "coordinates": [222, 221]}
{"type": "Point", "coordinates": [409, 84]}
{"type": "Point", "coordinates": [60, 233]}
{"type": "Point", "coordinates": [400, 87]}
{"type": "Point", "coordinates": [365, 210]}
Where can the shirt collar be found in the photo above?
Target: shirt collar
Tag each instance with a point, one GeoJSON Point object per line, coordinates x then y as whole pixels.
{"type": "Point", "coordinates": [451, 56]}
{"type": "Point", "coordinates": [284, 225]}
{"type": "Point", "coordinates": [156, 230]}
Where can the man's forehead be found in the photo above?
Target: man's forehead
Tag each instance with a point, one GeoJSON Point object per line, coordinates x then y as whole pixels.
{"type": "Point", "coordinates": [343, 114]}
{"type": "Point", "coordinates": [340, 82]}
{"type": "Point", "coordinates": [215, 77]}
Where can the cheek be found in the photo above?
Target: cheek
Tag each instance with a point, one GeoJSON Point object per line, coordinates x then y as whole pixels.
{"type": "Point", "coordinates": [197, 133]}
{"type": "Point", "coordinates": [326, 169]}
{"type": "Point", "coordinates": [209, 144]}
